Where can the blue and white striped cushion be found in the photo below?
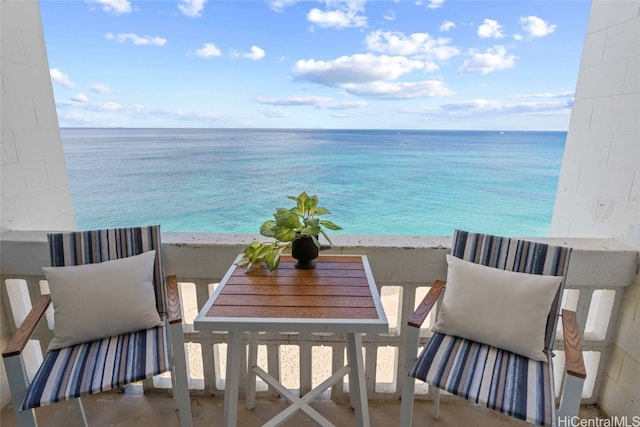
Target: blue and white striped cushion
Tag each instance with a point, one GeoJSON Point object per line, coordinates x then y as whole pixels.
{"type": "Point", "coordinates": [500, 380]}
{"type": "Point", "coordinates": [97, 366]}
{"type": "Point", "coordinates": [504, 381]}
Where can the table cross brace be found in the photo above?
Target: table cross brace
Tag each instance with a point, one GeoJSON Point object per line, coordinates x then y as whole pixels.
{"type": "Point", "coordinates": [298, 403]}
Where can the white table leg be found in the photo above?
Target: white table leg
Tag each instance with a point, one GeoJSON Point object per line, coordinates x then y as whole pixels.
{"type": "Point", "coordinates": [357, 384]}
{"type": "Point", "coordinates": [250, 402]}
{"type": "Point", "coordinates": [232, 380]}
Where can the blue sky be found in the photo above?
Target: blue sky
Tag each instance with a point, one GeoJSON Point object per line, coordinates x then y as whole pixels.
{"type": "Point", "coordinates": [438, 64]}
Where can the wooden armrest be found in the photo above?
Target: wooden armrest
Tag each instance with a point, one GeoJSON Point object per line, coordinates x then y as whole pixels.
{"type": "Point", "coordinates": [574, 362]}
{"type": "Point", "coordinates": [24, 332]}
{"type": "Point", "coordinates": [173, 300]}
{"type": "Point", "coordinates": [417, 318]}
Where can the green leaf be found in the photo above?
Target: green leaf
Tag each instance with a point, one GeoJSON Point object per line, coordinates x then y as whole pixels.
{"type": "Point", "coordinates": [265, 250]}
{"type": "Point", "coordinates": [272, 258]}
{"type": "Point", "coordinates": [287, 219]}
{"type": "Point", "coordinates": [321, 211]}
{"type": "Point", "coordinates": [299, 212]}
{"type": "Point", "coordinates": [300, 200]}
{"type": "Point", "coordinates": [243, 261]}
{"type": "Point", "coordinates": [312, 222]}
{"type": "Point", "coordinates": [326, 237]}
{"type": "Point", "coordinates": [310, 204]}
{"type": "Point", "coordinates": [330, 225]}
{"type": "Point", "coordinates": [267, 228]}
{"type": "Point", "coordinates": [271, 261]}
{"type": "Point", "coordinates": [285, 234]}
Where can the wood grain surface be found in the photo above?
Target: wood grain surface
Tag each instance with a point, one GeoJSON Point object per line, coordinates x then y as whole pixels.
{"type": "Point", "coordinates": [337, 288]}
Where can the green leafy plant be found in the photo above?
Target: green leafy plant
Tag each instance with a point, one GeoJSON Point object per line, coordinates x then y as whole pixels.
{"type": "Point", "coordinates": [288, 225]}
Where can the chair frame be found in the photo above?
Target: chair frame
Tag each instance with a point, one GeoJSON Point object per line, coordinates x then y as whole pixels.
{"type": "Point", "coordinates": [573, 377]}
{"type": "Point", "coordinates": [17, 374]}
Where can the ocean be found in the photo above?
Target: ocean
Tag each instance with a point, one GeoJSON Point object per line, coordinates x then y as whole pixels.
{"type": "Point", "coordinates": [379, 182]}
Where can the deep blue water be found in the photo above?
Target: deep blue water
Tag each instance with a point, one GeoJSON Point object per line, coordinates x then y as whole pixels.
{"type": "Point", "coordinates": [373, 181]}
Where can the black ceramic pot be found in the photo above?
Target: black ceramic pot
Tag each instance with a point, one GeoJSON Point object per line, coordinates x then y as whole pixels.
{"type": "Point", "coordinates": [305, 251]}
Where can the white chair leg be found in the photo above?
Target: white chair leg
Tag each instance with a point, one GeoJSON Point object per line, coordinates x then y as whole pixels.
{"type": "Point", "coordinates": [179, 379]}
{"type": "Point", "coordinates": [570, 399]}
{"type": "Point", "coordinates": [18, 384]}
{"type": "Point", "coordinates": [409, 383]}
{"type": "Point", "coordinates": [81, 413]}
{"type": "Point", "coordinates": [436, 403]}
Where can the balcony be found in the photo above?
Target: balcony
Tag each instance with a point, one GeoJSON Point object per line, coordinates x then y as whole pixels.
{"type": "Point", "coordinates": [154, 410]}
{"type": "Point", "coordinates": [403, 267]}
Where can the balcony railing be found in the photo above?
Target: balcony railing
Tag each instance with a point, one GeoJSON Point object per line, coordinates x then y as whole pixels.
{"type": "Point", "coordinates": [403, 267]}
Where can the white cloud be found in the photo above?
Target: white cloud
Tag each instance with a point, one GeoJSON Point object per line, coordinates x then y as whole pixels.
{"type": "Point", "coordinates": [192, 8]}
{"type": "Point", "coordinates": [345, 16]}
{"type": "Point", "coordinates": [275, 114]}
{"type": "Point", "coordinates": [473, 105]}
{"type": "Point", "coordinates": [416, 44]}
{"type": "Point", "coordinates": [536, 27]}
{"type": "Point", "coordinates": [345, 105]}
{"type": "Point", "coordinates": [80, 97]}
{"type": "Point", "coordinates": [101, 88]}
{"type": "Point", "coordinates": [359, 68]}
{"type": "Point", "coordinates": [117, 7]}
{"type": "Point", "coordinates": [208, 50]}
{"type": "Point", "coordinates": [371, 76]}
{"type": "Point", "coordinates": [490, 29]}
{"type": "Point", "coordinates": [86, 105]}
{"type": "Point", "coordinates": [120, 113]}
{"type": "Point", "coordinates": [136, 39]}
{"type": "Point", "coordinates": [296, 100]}
{"type": "Point", "coordinates": [320, 102]}
{"type": "Point", "coordinates": [280, 5]}
{"type": "Point", "coordinates": [58, 77]}
{"type": "Point", "coordinates": [107, 106]}
{"type": "Point", "coordinates": [479, 106]}
{"type": "Point", "coordinates": [390, 15]}
{"type": "Point", "coordinates": [490, 60]}
{"type": "Point", "coordinates": [256, 54]}
{"type": "Point", "coordinates": [547, 95]}
{"type": "Point", "coordinates": [435, 4]}
{"type": "Point", "coordinates": [447, 26]}
{"type": "Point", "coordinates": [399, 90]}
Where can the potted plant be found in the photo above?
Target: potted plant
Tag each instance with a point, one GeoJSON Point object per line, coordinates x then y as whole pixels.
{"type": "Point", "coordinates": [294, 228]}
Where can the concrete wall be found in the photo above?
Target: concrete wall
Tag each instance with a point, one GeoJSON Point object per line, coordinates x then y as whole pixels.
{"type": "Point", "coordinates": [35, 189]}
{"type": "Point", "coordinates": [599, 187]}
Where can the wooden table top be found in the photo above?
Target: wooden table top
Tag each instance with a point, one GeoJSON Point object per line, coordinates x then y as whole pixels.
{"type": "Point", "coordinates": [339, 291]}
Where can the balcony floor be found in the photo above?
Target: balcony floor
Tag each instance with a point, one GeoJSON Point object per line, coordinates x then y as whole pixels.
{"type": "Point", "coordinates": [156, 410]}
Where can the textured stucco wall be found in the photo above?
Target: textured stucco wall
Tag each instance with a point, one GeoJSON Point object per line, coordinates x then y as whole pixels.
{"type": "Point", "coordinates": [35, 189]}
{"type": "Point", "coordinates": [599, 187]}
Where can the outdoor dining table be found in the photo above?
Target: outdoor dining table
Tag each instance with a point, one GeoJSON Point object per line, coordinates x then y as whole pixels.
{"type": "Point", "coordinates": [339, 295]}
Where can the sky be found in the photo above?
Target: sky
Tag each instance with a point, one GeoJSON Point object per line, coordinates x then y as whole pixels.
{"type": "Point", "coordinates": [425, 64]}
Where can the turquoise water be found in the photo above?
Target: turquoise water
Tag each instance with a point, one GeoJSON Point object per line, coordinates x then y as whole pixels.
{"type": "Point", "coordinates": [374, 182]}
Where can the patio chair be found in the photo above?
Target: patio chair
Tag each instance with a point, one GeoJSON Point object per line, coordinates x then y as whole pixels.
{"type": "Point", "coordinates": [493, 338]}
{"type": "Point", "coordinates": [116, 322]}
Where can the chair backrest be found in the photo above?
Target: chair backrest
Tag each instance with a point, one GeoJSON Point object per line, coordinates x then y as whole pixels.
{"type": "Point", "coordinates": [88, 247]}
{"type": "Point", "coordinates": [518, 255]}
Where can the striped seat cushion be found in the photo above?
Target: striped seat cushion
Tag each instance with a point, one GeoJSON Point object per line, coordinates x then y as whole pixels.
{"type": "Point", "coordinates": [500, 380]}
{"type": "Point", "coordinates": [97, 366]}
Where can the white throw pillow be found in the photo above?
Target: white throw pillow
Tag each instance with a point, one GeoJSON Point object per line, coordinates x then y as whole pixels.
{"type": "Point", "coordinates": [95, 301]}
{"type": "Point", "coordinates": [501, 308]}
